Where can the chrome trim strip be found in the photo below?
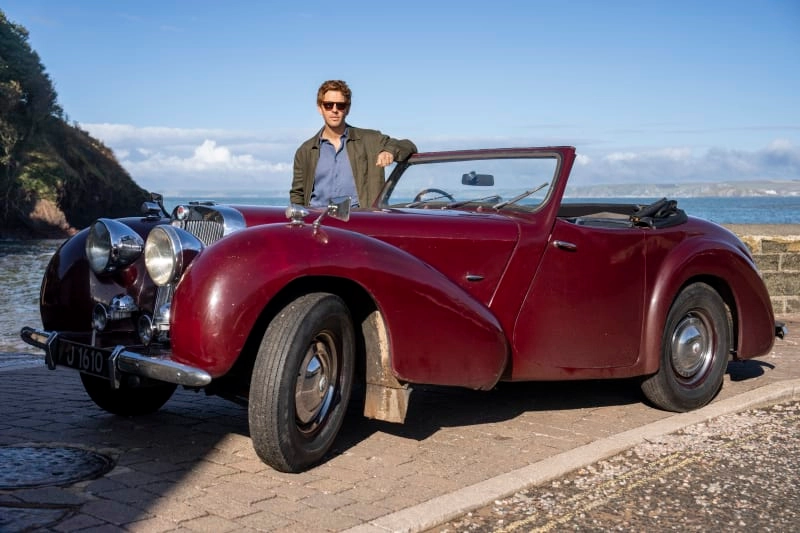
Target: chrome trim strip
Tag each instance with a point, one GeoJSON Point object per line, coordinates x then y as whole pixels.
{"type": "Point", "coordinates": [158, 368]}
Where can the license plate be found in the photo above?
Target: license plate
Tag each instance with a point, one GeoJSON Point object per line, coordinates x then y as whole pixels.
{"type": "Point", "coordinates": [85, 358]}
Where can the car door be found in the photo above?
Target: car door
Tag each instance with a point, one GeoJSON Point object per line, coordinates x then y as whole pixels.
{"type": "Point", "coordinates": [584, 307]}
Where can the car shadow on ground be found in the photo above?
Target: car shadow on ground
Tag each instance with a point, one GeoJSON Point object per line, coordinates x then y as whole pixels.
{"type": "Point", "coordinates": [747, 369]}
{"type": "Point", "coordinates": [432, 408]}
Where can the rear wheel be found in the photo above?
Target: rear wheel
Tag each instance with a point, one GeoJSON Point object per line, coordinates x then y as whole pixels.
{"type": "Point", "coordinates": [301, 382]}
{"type": "Point", "coordinates": [127, 401]}
{"type": "Point", "coordinates": [694, 351]}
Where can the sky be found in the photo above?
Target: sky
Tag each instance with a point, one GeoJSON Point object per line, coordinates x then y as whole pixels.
{"type": "Point", "coordinates": [217, 95]}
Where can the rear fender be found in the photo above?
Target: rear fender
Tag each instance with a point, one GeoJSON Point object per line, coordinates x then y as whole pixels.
{"type": "Point", "coordinates": [437, 333]}
{"type": "Point", "coordinates": [733, 274]}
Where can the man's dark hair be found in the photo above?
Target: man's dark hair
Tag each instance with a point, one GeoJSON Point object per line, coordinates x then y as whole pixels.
{"type": "Point", "coordinates": [334, 85]}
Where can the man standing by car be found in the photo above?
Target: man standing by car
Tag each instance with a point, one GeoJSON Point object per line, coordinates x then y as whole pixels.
{"type": "Point", "coordinates": [341, 160]}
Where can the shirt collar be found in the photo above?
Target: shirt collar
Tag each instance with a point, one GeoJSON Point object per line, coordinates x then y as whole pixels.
{"type": "Point", "coordinates": [345, 135]}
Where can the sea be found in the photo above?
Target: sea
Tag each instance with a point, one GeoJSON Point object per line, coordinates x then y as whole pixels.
{"type": "Point", "coordinates": [22, 263]}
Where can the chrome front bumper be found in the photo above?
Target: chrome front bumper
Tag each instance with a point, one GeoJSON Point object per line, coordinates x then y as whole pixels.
{"type": "Point", "coordinates": [123, 361]}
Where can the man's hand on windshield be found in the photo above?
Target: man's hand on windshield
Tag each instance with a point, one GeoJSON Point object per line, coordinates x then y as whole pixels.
{"type": "Point", "coordinates": [385, 159]}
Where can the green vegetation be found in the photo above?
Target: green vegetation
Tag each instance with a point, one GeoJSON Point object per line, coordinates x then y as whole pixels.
{"type": "Point", "coordinates": [54, 177]}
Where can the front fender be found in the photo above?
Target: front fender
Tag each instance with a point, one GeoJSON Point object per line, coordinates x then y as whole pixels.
{"type": "Point", "coordinates": [437, 332]}
{"type": "Point", "coordinates": [64, 300]}
{"type": "Point", "coordinates": [706, 259]}
{"type": "Point", "coordinates": [69, 287]}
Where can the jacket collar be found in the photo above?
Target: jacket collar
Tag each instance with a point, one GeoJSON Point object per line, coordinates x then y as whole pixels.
{"type": "Point", "coordinates": [350, 132]}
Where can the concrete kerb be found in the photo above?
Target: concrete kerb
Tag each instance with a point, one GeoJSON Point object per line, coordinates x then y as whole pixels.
{"type": "Point", "coordinates": [446, 507]}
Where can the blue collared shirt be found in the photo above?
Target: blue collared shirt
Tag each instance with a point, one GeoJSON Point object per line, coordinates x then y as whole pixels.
{"type": "Point", "coordinates": [334, 175]}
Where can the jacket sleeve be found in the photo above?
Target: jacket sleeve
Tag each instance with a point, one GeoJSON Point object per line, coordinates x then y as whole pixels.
{"type": "Point", "coordinates": [297, 192]}
{"type": "Point", "coordinates": [401, 149]}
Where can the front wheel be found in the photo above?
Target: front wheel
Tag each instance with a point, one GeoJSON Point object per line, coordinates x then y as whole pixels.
{"type": "Point", "coordinates": [694, 351]}
{"type": "Point", "coordinates": [301, 382]}
{"type": "Point", "coordinates": [127, 401]}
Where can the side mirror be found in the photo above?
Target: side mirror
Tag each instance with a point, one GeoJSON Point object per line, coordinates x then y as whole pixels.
{"type": "Point", "coordinates": [479, 180]}
{"type": "Point", "coordinates": [340, 210]}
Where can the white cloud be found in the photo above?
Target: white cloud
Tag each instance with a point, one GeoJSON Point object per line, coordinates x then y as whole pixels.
{"type": "Point", "coordinates": [780, 160]}
{"type": "Point", "coordinates": [113, 134]}
{"type": "Point", "coordinates": [176, 160]}
{"type": "Point", "coordinates": [780, 145]}
{"type": "Point", "coordinates": [171, 160]}
{"type": "Point", "coordinates": [621, 156]}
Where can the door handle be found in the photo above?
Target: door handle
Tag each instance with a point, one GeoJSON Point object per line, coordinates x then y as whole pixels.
{"type": "Point", "coordinates": [564, 245]}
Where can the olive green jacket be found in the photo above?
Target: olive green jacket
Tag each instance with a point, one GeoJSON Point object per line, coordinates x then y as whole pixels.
{"type": "Point", "coordinates": [363, 147]}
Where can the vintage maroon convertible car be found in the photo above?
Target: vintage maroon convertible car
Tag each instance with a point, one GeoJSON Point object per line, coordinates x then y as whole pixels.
{"type": "Point", "coordinates": [468, 269]}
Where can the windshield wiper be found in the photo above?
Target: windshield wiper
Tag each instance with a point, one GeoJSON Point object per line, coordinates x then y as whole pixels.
{"type": "Point", "coordinates": [519, 197]}
{"type": "Point", "coordinates": [426, 200]}
{"type": "Point", "coordinates": [465, 202]}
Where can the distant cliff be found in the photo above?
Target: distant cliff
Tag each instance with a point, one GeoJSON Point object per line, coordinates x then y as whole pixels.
{"type": "Point", "coordinates": [54, 177]}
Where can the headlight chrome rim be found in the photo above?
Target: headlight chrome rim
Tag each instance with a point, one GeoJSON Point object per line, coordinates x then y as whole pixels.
{"type": "Point", "coordinates": [112, 245]}
{"type": "Point", "coordinates": [168, 251]}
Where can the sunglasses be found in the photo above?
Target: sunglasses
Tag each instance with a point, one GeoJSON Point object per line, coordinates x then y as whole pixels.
{"type": "Point", "coordinates": [341, 106]}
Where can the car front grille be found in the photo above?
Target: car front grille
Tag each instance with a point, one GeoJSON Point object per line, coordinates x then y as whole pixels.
{"type": "Point", "coordinates": [208, 231]}
{"type": "Point", "coordinates": [209, 222]}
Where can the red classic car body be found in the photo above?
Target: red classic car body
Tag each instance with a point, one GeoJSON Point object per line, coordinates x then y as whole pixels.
{"type": "Point", "coordinates": [439, 292]}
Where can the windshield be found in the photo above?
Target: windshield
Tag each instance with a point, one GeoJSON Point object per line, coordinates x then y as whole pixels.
{"type": "Point", "coordinates": [499, 183]}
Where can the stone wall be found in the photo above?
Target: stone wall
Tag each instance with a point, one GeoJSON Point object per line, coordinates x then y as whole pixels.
{"type": "Point", "coordinates": [776, 250]}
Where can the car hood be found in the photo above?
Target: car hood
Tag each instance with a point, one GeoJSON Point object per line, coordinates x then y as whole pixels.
{"type": "Point", "coordinates": [470, 248]}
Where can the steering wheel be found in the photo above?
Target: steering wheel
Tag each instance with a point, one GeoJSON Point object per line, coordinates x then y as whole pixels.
{"type": "Point", "coordinates": [423, 192]}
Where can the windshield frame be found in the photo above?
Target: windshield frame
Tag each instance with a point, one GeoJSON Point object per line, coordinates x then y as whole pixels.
{"type": "Point", "coordinates": [385, 201]}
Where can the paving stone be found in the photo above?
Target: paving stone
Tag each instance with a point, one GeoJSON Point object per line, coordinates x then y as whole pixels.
{"type": "Point", "coordinates": [364, 511]}
{"type": "Point", "coordinates": [191, 467]}
{"type": "Point", "coordinates": [265, 521]}
{"type": "Point", "coordinates": [175, 510]}
{"type": "Point", "coordinates": [114, 512]}
{"type": "Point", "coordinates": [78, 522]}
{"type": "Point", "coordinates": [150, 525]}
{"type": "Point", "coordinates": [211, 524]}
{"type": "Point", "coordinates": [214, 503]}
{"type": "Point", "coordinates": [329, 485]}
{"type": "Point", "coordinates": [281, 506]}
{"type": "Point", "coordinates": [327, 501]}
{"type": "Point", "coordinates": [326, 520]}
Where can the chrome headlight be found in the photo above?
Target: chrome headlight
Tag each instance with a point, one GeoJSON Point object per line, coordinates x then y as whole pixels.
{"type": "Point", "coordinates": [167, 253]}
{"type": "Point", "coordinates": [112, 245]}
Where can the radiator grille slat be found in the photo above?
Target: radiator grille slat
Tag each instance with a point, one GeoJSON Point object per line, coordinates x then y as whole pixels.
{"type": "Point", "coordinates": [207, 231]}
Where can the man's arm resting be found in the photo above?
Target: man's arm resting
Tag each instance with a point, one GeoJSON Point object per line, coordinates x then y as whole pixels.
{"type": "Point", "coordinates": [401, 149]}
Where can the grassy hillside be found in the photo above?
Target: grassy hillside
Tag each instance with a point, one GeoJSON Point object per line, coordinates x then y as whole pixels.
{"type": "Point", "coordinates": [54, 177]}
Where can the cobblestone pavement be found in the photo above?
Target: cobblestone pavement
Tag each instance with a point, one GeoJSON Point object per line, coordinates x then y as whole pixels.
{"type": "Point", "coordinates": [191, 466]}
{"type": "Point", "coordinates": [737, 472]}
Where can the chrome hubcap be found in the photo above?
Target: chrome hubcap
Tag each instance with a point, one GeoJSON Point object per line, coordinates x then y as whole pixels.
{"type": "Point", "coordinates": [316, 380]}
{"type": "Point", "coordinates": [692, 347]}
